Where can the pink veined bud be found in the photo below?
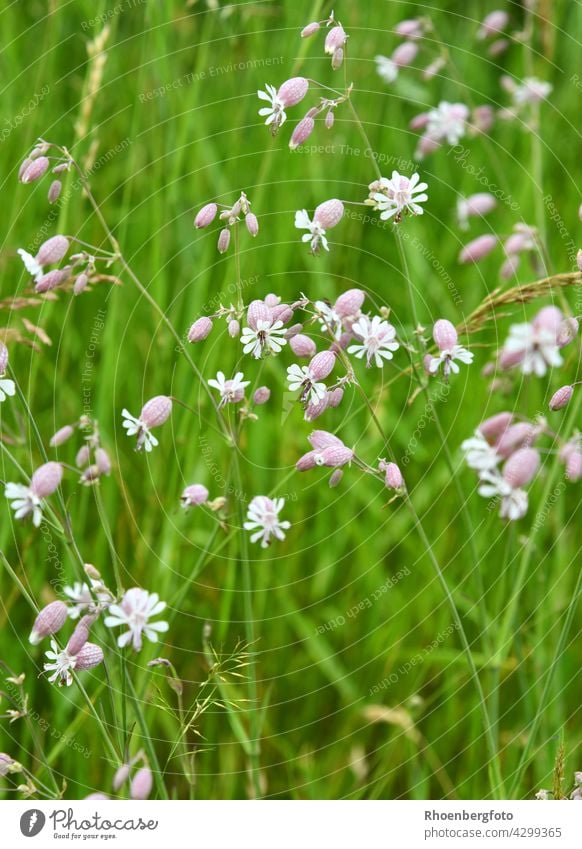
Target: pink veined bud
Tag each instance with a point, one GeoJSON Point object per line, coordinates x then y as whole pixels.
{"type": "Point", "coordinates": [494, 23]}
{"type": "Point", "coordinates": [120, 777]}
{"type": "Point", "coordinates": [252, 223]}
{"type": "Point", "coordinates": [510, 359]}
{"type": "Point", "coordinates": [294, 330]}
{"type": "Point", "coordinates": [404, 54]}
{"type": "Point", "coordinates": [78, 639]}
{"type": "Point", "coordinates": [574, 466]}
{"type": "Point", "coordinates": [329, 213]}
{"type": "Point", "coordinates": [337, 58]}
{"type": "Point", "coordinates": [35, 170]}
{"type": "Point", "coordinates": [51, 280]}
{"type": "Point", "coordinates": [444, 334]}
{"type": "Point", "coordinates": [83, 456]}
{"type": "Point", "coordinates": [314, 411]}
{"type": "Point", "coordinates": [293, 91]}
{"type": "Point", "coordinates": [223, 240]}
{"type": "Point", "coordinates": [282, 312]}
{"type": "Point", "coordinates": [46, 479]}
{"type": "Point", "coordinates": [54, 191]}
{"type": "Point", "coordinates": [53, 250]}
{"type": "Point", "coordinates": [516, 436]}
{"type": "Point", "coordinates": [50, 620]}
{"type": "Point", "coordinates": [419, 122]}
{"type": "Point", "coordinates": [310, 29]}
{"type": "Point", "coordinates": [258, 311]}
{"type": "Point", "coordinates": [302, 346]}
{"type": "Point", "coordinates": [498, 47]}
{"type": "Point", "coordinates": [156, 411]}
{"type": "Point", "coordinates": [233, 328]}
{"type": "Point", "coordinates": [321, 366]}
{"type": "Point", "coordinates": [80, 283]}
{"type": "Point", "coordinates": [335, 478]}
{"type": "Point", "coordinates": [25, 163]}
{"type": "Point", "coordinates": [205, 216]}
{"type": "Point", "coordinates": [329, 119]}
{"type": "Point", "coordinates": [561, 398]}
{"type": "Point", "coordinates": [579, 260]}
{"type": "Point", "coordinates": [102, 461]}
{"type": "Point", "coordinates": [62, 167]}
{"type": "Point", "coordinates": [306, 462]}
{"type": "Point", "coordinates": [548, 318]}
{"type": "Point", "coordinates": [478, 249]}
{"type": "Point", "coordinates": [142, 784]}
{"type": "Point", "coordinates": [61, 436]}
{"type": "Point", "coordinates": [261, 395]}
{"type": "Point", "coordinates": [321, 439]}
{"type": "Point", "coordinates": [200, 329]}
{"type": "Point", "coordinates": [426, 361]}
{"type": "Point", "coordinates": [521, 467]}
{"type": "Point", "coordinates": [392, 476]}
{"type": "Point", "coordinates": [335, 455]}
{"type": "Point", "coordinates": [516, 243]}
{"type": "Point", "coordinates": [509, 267]}
{"type": "Point", "coordinates": [272, 300]}
{"type": "Point", "coordinates": [194, 495]}
{"type": "Point", "coordinates": [335, 397]}
{"type": "Point", "coordinates": [89, 656]}
{"type": "Point", "coordinates": [349, 303]}
{"type": "Point", "coordinates": [335, 38]}
{"type": "Point", "coordinates": [301, 132]}
{"type": "Point", "coordinates": [494, 426]}
{"type": "Point", "coordinates": [567, 331]}
{"type": "Point", "coordinates": [480, 203]}
{"type": "Point", "coordinates": [410, 28]}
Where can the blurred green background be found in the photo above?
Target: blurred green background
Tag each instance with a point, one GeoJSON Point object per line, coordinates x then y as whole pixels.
{"type": "Point", "coordinates": [165, 124]}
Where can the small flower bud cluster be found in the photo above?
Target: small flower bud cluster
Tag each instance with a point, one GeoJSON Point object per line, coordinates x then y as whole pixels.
{"type": "Point", "coordinates": [38, 163]}
{"type": "Point", "coordinates": [141, 784]}
{"type": "Point", "coordinates": [230, 216]}
{"type": "Point", "coordinates": [91, 457]}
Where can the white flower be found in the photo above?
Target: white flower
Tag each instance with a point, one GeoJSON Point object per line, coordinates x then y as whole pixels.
{"type": "Point", "coordinates": [386, 68]}
{"type": "Point", "coordinates": [329, 320]}
{"type": "Point", "coordinates": [32, 266]}
{"type": "Point", "coordinates": [231, 391]}
{"type": "Point", "coordinates": [62, 665]}
{"type": "Point", "coordinates": [479, 454]}
{"type": "Point", "coordinates": [136, 608]}
{"type": "Point", "coordinates": [134, 426]}
{"type": "Point", "coordinates": [447, 357]}
{"type": "Point", "coordinates": [531, 90]}
{"type": "Point", "coordinates": [269, 336]}
{"type": "Point", "coordinates": [300, 377]}
{"type": "Point", "coordinates": [537, 346]}
{"type": "Point", "coordinates": [377, 340]}
{"type": "Point", "coordinates": [83, 600]}
{"type": "Point", "coordinates": [275, 112]}
{"type": "Point", "coordinates": [399, 195]}
{"type": "Point", "coordinates": [263, 517]}
{"type": "Point", "coordinates": [7, 387]}
{"type": "Point", "coordinates": [24, 502]}
{"type": "Point", "coordinates": [514, 502]}
{"type": "Point", "coordinates": [316, 233]}
{"type": "Point", "coordinates": [447, 121]}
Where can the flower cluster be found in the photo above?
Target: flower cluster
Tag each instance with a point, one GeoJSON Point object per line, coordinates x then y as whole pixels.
{"type": "Point", "coordinates": [230, 216]}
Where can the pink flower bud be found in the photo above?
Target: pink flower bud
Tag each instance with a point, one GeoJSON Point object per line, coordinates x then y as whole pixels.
{"type": "Point", "coordinates": [509, 267]}
{"type": "Point", "coordinates": [51, 280]}
{"type": "Point", "coordinates": [574, 466]}
{"type": "Point", "coordinates": [156, 411]}
{"type": "Point", "coordinates": [83, 456]}
{"type": "Point", "coordinates": [313, 411]}
{"type": "Point", "coordinates": [78, 639]}
{"type": "Point", "coordinates": [516, 243]}
{"type": "Point", "coordinates": [97, 797]}
{"type": "Point", "coordinates": [404, 54]}
{"type": "Point", "coordinates": [329, 122]}
{"type": "Point", "coordinates": [427, 144]}
{"type": "Point", "coordinates": [142, 784]}
{"type": "Point", "coordinates": [206, 216]}
{"type": "Point", "coordinates": [261, 395]}
{"type": "Point", "coordinates": [521, 467]}
{"type": "Point", "coordinates": [25, 163]}
{"type": "Point", "coordinates": [494, 426]}
{"type": "Point", "coordinates": [335, 478]}
{"type": "Point", "coordinates": [478, 249]}
{"type": "Point", "coordinates": [510, 359]}
{"type": "Point", "coordinates": [3, 358]}
{"type": "Point", "coordinates": [548, 318]}
{"type": "Point", "coordinates": [321, 439]}
{"type": "Point", "coordinates": [294, 330]}
{"type": "Point", "coordinates": [433, 68]}
{"type": "Point", "coordinates": [349, 303]}
{"type": "Point", "coordinates": [322, 365]}
{"type": "Point", "coordinates": [252, 223]}
{"type": "Point", "coordinates": [272, 300]}
{"type": "Point", "coordinates": [335, 397]}
{"type": "Point", "coordinates": [335, 38]}
{"type": "Point", "coordinates": [410, 28]}
{"type": "Point", "coordinates": [35, 170]}
{"type": "Point", "coordinates": [301, 132]}
{"type": "Point", "coordinates": [480, 203]}
{"type": "Point", "coordinates": [54, 191]}
{"type": "Point", "coordinates": [80, 283]}
{"type": "Point", "coordinates": [393, 477]}
{"type": "Point", "coordinates": [337, 58]}
{"type": "Point", "coordinates": [567, 331]}
{"type": "Point", "coordinates": [61, 436]}
{"type": "Point", "coordinates": [50, 620]}
{"type": "Point", "coordinates": [258, 311]}
{"type": "Point", "coordinates": [46, 479]}
{"type": "Point", "coordinates": [335, 455]}
{"type": "Point", "coordinates": [223, 240]}
{"type": "Point", "coordinates": [53, 250]}
{"type": "Point", "coordinates": [516, 436]}
{"type": "Point", "coordinates": [102, 461]}
{"type": "Point", "coordinates": [329, 213]}
{"type": "Point", "coordinates": [492, 24]}
{"type": "Point", "coordinates": [498, 47]}
{"type": "Point", "coordinates": [120, 777]}
{"type": "Point", "coordinates": [302, 346]}
{"type": "Point", "coordinates": [306, 462]}
{"type": "Point", "coordinates": [561, 397]}
{"type": "Point", "coordinates": [282, 312]}
{"type": "Point", "coordinates": [419, 122]}
{"type": "Point", "coordinates": [444, 334]}
{"type": "Point", "coordinates": [194, 495]}
{"type": "Point", "coordinates": [310, 29]}
{"type": "Point", "coordinates": [233, 328]}
{"type": "Point", "coordinates": [293, 91]}
{"type": "Point", "coordinates": [89, 656]}
{"type": "Point", "coordinates": [200, 329]}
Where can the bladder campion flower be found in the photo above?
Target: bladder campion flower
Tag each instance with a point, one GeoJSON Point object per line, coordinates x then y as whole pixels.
{"type": "Point", "coordinates": [154, 413]}
{"type": "Point", "coordinates": [397, 196]}
{"type": "Point", "coordinates": [377, 340]}
{"type": "Point", "coordinates": [136, 609]}
{"type": "Point", "coordinates": [263, 519]}
{"type": "Point", "coordinates": [445, 336]}
{"type": "Point", "coordinates": [27, 500]}
{"type": "Point", "coordinates": [231, 391]}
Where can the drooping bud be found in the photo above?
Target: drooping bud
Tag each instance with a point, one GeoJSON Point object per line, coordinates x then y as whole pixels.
{"type": "Point", "coordinates": [61, 436]}
{"type": "Point", "coordinates": [335, 478]}
{"type": "Point", "coordinates": [200, 329]}
{"type": "Point", "coordinates": [509, 267]}
{"type": "Point", "coordinates": [54, 191]}
{"type": "Point", "coordinates": [329, 122]}
{"type": "Point", "coordinates": [494, 426]}
{"type": "Point", "coordinates": [194, 495]}
{"type": "Point", "coordinates": [293, 91]}
{"type": "Point", "coordinates": [78, 639]}
{"type": "Point", "coordinates": [83, 456]}
{"type": "Point", "coordinates": [349, 303]}
{"type": "Point", "coordinates": [329, 213]}
{"type": "Point", "coordinates": [334, 456]}
{"type": "Point", "coordinates": [561, 397]}
{"type": "Point", "coordinates": [310, 29]}
{"type": "Point", "coordinates": [258, 311]}
{"type": "Point", "coordinates": [306, 462]}
{"type": "Point", "coordinates": [321, 439]}
{"type": "Point", "coordinates": [53, 250]}
{"type": "Point", "coordinates": [206, 216]}
{"type": "Point", "coordinates": [282, 312]}
{"type": "Point", "coordinates": [444, 334]}
{"type": "Point", "coordinates": [261, 395]}
{"type": "Point", "coordinates": [494, 23]}
{"type": "Point", "coordinates": [521, 467]}
{"type": "Point", "coordinates": [46, 479]}
{"type": "Point", "coordinates": [102, 461]}
{"type": "Point", "coordinates": [142, 784]}
{"type": "Point", "coordinates": [80, 283]}
{"type": "Point", "coordinates": [252, 223]}
{"type": "Point", "coordinates": [35, 170]}
{"type": "Point", "coordinates": [120, 777]}
{"type": "Point", "coordinates": [89, 656]}
{"type": "Point", "coordinates": [410, 28]}
{"type": "Point", "coordinates": [223, 240]}
{"type": "Point", "coordinates": [49, 621]}
{"type": "Point", "coordinates": [51, 280]}
{"type": "Point", "coordinates": [516, 436]}
{"type": "Point", "coordinates": [322, 365]}
{"type": "Point", "coordinates": [301, 132]}
{"type": "Point", "coordinates": [313, 411]}
{"type": "Point", "coordinates": [302, 346]}
{"type": "Point", "coordinates": [233, 328]}
{"type": "Point", "coordinates": [404, 54]}
{"type": "Point", "coordinates": [272, 300]}
{"type": "Point", "coordinates": [337, 58]}
{"type": "Point", "coordinates": [510, 359]}
{"type": "Point", "coordinates": [392, 476]}
{"type": "Point", "coordinates": [156, 411]}
{"type": "Point", "coordinates": [335, 39]}
{"type": "Point", "coordinates": [335, 397]}
{"type": "Point", "coordinates": [478, 249]}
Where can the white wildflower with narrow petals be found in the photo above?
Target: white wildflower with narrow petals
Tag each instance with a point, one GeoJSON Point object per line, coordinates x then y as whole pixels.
{"type": "Point", "coordinates": [329, 320]}
{"type": "Point", "coordinates": [269, 337]}
{"type": "Point", "coordinates": [537, 346]}
{"type": "Point", "coordinates": [7, 388]}
{"type": "Point", "coordinates": [316, 234]}
{"type": "Point", "coordinates": [263, 519]}
{"type": "Point", "coordinates": [479, 454]}
{"type": "Point", "coordinates": [514, 501]}
{"type": "Point", "coordinates": [447, 122]}
{"type": "Point", "coordinates": [33, 267]}
{"type": "Point", "coordinates": [61, 665]}
{"type": "Point", "coordinates": [145, 439]}
{"type": "Point", "coordinates": [301, 378]}
{"type": "Point", "coordinates": [136, 609]}
{"type": "Point", "coordinates": [83, 597]}
{"type": "Point", "coordinates": [274, 113]}
{"type": "Point", "coordinates": [447, 358]}
{"type": "Point", "coordinates": [377, 340]}
{"type": "Point", "coordinates": [400, 195]}
{"type": "Point", "coordinates": [25, 502]}
{"type": "Point", "coordinates": [231, 391]}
